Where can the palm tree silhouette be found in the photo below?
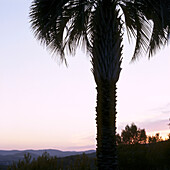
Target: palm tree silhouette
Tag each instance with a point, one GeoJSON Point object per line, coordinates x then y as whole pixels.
{"type": "Point", "coordinates": [99, 26]}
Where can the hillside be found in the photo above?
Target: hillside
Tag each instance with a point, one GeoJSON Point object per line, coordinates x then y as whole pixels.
{"type": "Point", "coordinates": [8, 157]}
{"type": "Point", "coordinates": [154, 156]}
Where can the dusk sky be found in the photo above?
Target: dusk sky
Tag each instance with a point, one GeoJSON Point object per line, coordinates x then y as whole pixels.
{"type": "Point", "coordinates": [45, 105]}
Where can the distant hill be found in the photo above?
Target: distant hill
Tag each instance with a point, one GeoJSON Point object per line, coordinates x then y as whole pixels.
{"type": "Point", "coordinates": [8, 157]}
{"type": "Point", "coordinates": [130, 157]}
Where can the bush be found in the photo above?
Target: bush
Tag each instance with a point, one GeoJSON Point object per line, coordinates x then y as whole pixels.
{"type": "Point", "coordinates": [154, 156]}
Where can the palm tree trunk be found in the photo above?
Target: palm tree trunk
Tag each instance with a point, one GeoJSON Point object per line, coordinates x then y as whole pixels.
{"type": "Point", "coordinates": [106, 126]}
{"type": "Point", "coordinates": [106, 61]}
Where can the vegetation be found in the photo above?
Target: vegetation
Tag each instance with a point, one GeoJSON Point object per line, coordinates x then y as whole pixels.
{"type": "Point", "coordinates": [134, 135]}
{"type": "Point", "coordinates": [3, 167]}
{"type": "Point", "coordinates": [154, 139]}
{"type": "Point", "coordinates": [136, 151]}
{"type": "Point", "coordinates": [99, 26]}
{"type": "Point", "coordinates": [45, 162]}
{"type": "Point", "coordinates": [153, 156]}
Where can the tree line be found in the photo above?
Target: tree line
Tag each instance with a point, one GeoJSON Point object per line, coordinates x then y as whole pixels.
{"type": "Point", "coordinates": [153, 156]}
{"type": "Point", "coordinates": [136, 150]}
{"type": "Point", "coordinates": [134, 135]}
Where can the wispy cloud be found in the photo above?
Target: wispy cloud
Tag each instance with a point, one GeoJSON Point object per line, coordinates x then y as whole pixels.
{"type": "Point", "coordinates": [149, 125]}
{"type": "Point", "coordinates": [166, 112]}
{"type": "Point", "coordinates": [158, 125]}
{"type": "Point", "coordinates": [166, 109]}
{"type": "Point", "coordinates": [163, 109]}
{"type": "Point", "coordinates": [81, 148]}
{"type": "Point", "coordinates": [89, 138]}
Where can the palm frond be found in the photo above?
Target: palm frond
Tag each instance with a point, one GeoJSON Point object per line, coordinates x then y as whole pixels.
{"type": "Point", "coordinates": [65, 24]}
{"type": "Point", "coordinates": [137, 26]}
{"type": "Point", "coordinates": [77, 32]}
{"type": "Point", "coordinates": [159, 13]}
{"type": "Point", "coordinates": [61, 23]}
{"type": "Point", "coordinates": [48, 23]}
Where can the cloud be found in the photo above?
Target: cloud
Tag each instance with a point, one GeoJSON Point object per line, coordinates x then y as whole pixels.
{"type": "Point", "coordinates": [83, 143]}
{"type": "Point", "coordinates": [163, 109]}
{"type": "Point", "coordinates": [157, 125]}
{"type": "Point", "coordinates": [149, 125]}
{"type": "Point", "coordinates": [89, 138]}
{"type": "Point", "coordinates": [83, 147]}
{"type": "Point", "coordinates": [166, 109]}
{"type": "Point", "coordinates": [166, 112]}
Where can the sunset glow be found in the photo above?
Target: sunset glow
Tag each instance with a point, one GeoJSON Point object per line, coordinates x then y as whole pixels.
{"type": "Point", "coordinates": [44, 104]}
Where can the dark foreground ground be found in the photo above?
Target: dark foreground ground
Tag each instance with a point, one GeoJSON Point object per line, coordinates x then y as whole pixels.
{"type": "Point", "coordinates": [154, 156]}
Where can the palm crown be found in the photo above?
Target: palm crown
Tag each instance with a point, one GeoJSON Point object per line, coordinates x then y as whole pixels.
{"type": "Point", "coordinates": [68, 23]}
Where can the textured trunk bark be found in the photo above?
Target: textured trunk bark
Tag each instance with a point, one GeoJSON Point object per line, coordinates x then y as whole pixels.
{"type": "Point", "coordinates": [106, 126]}
{"type": "Point", "coordinates": [106, 61]}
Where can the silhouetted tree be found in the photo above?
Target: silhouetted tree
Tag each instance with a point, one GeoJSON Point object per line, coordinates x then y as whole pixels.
{"type": "Point", "coordinates": [131, 157]}
{"type": "Point", "coordinates": [133, 135]}
{"type": "Point", "coordinates": [47, 162]}
{"type": "Point", "coordinates": [99, 26]}
{"type": "Point", "coordinates": [126, 135]}
{"type": "Point", "coordinates": [142, 136]}
{"type": "Point", "coordinates": [149, 139]}
{"type": "Point", "coordinates": [154, 139]}
{"type": "Point", "coordinates": [118, 139]}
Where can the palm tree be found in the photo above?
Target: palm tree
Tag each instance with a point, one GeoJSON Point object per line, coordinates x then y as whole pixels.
{"type": "Point", "coordinates": [99, 26]}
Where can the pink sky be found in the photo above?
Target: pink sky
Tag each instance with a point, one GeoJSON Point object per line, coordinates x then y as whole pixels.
{"type": "Point", "coordinates": [46, 105]}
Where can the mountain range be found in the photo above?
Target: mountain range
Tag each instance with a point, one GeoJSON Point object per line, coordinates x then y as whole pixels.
{"type": "Point", "coordinates": [8, 157]}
